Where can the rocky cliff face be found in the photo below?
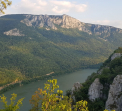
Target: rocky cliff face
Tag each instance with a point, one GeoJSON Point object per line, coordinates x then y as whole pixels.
{"type": "Point", "coordinates": [14, 32]}
{"type": "Point", "coordinates": [114, 101]}
{"type": "Point", "coordinates": [65, 21]}
{"type": "Point", "coordinates": [115, 55]}
{"type": "Point", "coordinates": [49, 21]}
{"type": "Point", "coordinates": [76, 87]}
{"type": "Point", "coordinates": [39, 21]}
{"type": "Point", "coordinates": [95, 90]}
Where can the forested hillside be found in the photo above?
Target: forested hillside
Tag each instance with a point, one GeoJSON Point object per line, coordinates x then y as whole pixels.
{"type": "Point", "coordinates": [32, 51]}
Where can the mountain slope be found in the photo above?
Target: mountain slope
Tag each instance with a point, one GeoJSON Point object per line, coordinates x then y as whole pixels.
{"type": "Point", "coordinates": [35, 45]}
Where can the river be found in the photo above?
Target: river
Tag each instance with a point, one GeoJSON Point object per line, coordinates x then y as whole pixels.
{"type": "Point", "coordinates": [65, 82]}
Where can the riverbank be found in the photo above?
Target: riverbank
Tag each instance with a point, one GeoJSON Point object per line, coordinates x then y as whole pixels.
{"type": "Point", "coordinates": [23, 82]}
{"type": "Point", "coordinates": [27, 81]}
{"type": "Point", "coordinates": [65, 82]}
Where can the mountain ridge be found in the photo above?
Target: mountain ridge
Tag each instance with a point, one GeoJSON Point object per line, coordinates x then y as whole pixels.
{"type": "Point", "coordinates": [64, 21]}
{"type": "Point", "coordinates": [40, 50]}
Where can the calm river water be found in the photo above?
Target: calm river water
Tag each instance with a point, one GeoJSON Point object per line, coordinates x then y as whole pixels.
{"type": "Point", "coordinates": [65, 82]}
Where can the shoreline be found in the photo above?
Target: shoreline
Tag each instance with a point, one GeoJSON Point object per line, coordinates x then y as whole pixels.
{"type": "Point", "coordinates": [46, 76]}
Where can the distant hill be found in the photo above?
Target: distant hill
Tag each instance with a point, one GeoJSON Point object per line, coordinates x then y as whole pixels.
{"type": "Point", "coordinates": [35, 45]}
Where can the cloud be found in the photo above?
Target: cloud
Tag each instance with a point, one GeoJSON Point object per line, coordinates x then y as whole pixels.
{"type": "Point", "coordinates": [102, 22]}
{"type": "Point", "coordinates": [62, 3]}
{"type": "Point", "coordinates": [46, 7]}
{"type": "Point", "coordinates": [59, 11]}
{"type": "Point", "coordinates": [81, 7]}
{"type": "Point", "coordinates": [66, 5]}
{"type": "Point", "coordinates": [29, 6]}
{"type": "Point", "coordinates": [42, 3]}
{"type": "Point", "coordinates": [117, 24]}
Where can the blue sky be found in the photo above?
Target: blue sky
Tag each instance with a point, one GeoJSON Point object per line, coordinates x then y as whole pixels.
{"type": "Point", "coordinates": [105, 12]}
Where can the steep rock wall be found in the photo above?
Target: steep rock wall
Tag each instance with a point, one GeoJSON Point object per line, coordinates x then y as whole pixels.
{"type": "Point", "coordinates": [114, 101]}
{"type": "Point", "coordinates": [65, 21]}
{"type": "Point", "coordinates": [75, 87]}
{"type": "Point", "coordinates": [95, 90]}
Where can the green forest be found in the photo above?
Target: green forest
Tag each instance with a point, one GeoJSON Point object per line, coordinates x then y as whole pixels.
{"type": "Point", "coordinates": [42, 51]}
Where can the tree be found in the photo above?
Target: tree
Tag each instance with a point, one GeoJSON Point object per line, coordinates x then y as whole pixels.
{"type": "Point", "coordinates": [48, 100]}
{"type": "Point", "coordinates": [4, 4]}
{"type": "Point", "coordinates": [12, 106]}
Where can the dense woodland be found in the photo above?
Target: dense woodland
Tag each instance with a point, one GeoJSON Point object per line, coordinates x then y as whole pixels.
{"type": "Point", "coordinates": [42, 51]}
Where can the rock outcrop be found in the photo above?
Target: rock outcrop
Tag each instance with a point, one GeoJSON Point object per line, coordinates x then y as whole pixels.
{"type": "Point", "coordinates": [39, 21]}
{"type": "Point", "coordinates": [115, 55]}
{"type": "Point", "coordinates": [65, 21]}
{"type": "Point", "coordinates": [114, 101]}
{"type": "Point", "coordinates": [49, 21]}
{"type": "Point", "coordinates": [14, 32]}
{"type": "Point", "coordinates": [95, 90]}
{"type": "Point", "coordinates": [76, 87]}
{"type": "Point", "coordinates": [69, 22]}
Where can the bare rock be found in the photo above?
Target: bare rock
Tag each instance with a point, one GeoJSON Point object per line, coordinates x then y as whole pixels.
{"type": "Point", "coordinates": [39, 21]}
{"type": "Point", "coordinates": [49, 21]}
{"type": "Point", "coordinates": [95, 90]}
{"type": "Point", "coordinates": [115, 55]}
{"type": "Point", "coordinates": [65, 21]}
{"type": "Point", "coordinates": [14, 32]}
{"type": "Point", "coordinates": [114, 101]}
{"type": "Point", "coordinates": [76, 87]}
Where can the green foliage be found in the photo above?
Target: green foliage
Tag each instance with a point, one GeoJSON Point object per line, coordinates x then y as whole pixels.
{"type": "Point", "coordinates": [97, 105]}
{"type": "Point", "coordinates": [48, 100]}
{"type": "Point", "coordinates": [9, 76]}
{"type": "Point", "coordinates": [119, 50]}
{"type": "Point", "coordinates": [4, 4]}
{"type": "Point", "coordinates": [12, 106]}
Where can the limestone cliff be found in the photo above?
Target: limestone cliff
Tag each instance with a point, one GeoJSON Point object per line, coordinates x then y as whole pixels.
{"type": "Point", "coordinates": [49, 21]}
{"type": "Point", "coordinates": [14, 32]}
{"type": "Point", "coordinates": [65, 21]}
{"type": "Point", "coordinates": [114, 101]}
{"type": "Point", "coordinates": [115, 55]}
{"type": "Point", "coordinates": [95, 90]}
{"type": "Point", "coordinates": [75, 87]}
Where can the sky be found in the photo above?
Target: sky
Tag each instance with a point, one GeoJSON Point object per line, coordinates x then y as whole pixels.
{"type": "Point", "coordinates": [104, 12]}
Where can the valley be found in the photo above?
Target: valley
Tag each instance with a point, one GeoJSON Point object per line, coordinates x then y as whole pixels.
{"type": "Point", "coordinates": [32, 46]}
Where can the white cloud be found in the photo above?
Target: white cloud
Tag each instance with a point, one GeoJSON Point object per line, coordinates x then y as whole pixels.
{"type": "Point", "coordinates": [59, 11]}
{"type": "Point", "coordinates": [46, 7]}
{"type": "Point", "coordinates": [42, 3]}
{"type": "Point", "coordinates": [117, 24]}
{"type": "Point", "coordinates": [62, 3]}
{"type": "Point", "coordinates": [66, 5]}
{"type": "Point", "coordinates": [81, 7]}
{"type": "Point", "coordinates": [102, 22]}
{"type": "Point", "coordinates": [29, 6]}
